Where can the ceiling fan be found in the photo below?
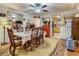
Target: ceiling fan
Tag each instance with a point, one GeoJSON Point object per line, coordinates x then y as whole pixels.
{"type": "Point", "coordinates": [38, 7]}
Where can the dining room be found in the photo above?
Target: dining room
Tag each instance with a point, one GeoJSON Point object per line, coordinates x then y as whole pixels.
{"type": "Point", "coordinates": [33, 29]}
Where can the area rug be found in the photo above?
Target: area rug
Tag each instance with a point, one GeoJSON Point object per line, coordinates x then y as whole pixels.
{"type": "Point", "coordinates": [50, 47]}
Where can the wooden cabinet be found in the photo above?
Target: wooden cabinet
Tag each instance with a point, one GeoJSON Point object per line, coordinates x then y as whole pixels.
{"type": "Point", "coordinates": [75, 28]}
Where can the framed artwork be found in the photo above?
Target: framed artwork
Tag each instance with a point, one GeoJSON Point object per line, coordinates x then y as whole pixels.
{"type": "Point", "coordinates": [47, 18]}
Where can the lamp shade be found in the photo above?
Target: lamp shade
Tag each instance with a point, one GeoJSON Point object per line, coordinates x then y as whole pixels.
{"type": "Point", "coordinates": [2, 15]}
{"type": "Point", "coordinates": [19, 22]}
{"type": "Point", "coordinates": [5, 23]}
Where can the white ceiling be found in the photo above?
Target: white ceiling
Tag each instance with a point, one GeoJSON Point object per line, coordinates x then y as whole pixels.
{"type": "Point", "coordinates": [51, 7]}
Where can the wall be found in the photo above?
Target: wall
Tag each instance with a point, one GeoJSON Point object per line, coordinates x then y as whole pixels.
{"type": "Point", "coordinates": [1, 35]}
{"type": "Point", "coordinates": [65, 31]}
{"type": "Point", "coordinates": [37, 22]}
{"type": "Point", "coordinates": [28, 17]}
{"type": "Point", "coordinates": [63, 13]}
{"type": "Point", "coordinates": [4, 10]}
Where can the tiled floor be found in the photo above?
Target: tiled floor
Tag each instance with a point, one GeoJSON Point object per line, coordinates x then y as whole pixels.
{"type": "Point", "coordinates": [73, 53]}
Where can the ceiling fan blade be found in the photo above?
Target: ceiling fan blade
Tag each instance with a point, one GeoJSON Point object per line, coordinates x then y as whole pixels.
{"type": "Point", "coordinates": [29, 10]}
{"type": "Point", "coordinates": [45, 10]}
{"type": "Point", "coordinates": [31, 5]}
{"type": "Point", "coordinates": [44, 6]}
{"type": "Point", "coordinates": [37, 4]}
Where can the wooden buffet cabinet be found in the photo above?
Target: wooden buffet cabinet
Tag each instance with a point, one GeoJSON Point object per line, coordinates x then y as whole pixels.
{"type": "Point", "coordinates": [75, 28]}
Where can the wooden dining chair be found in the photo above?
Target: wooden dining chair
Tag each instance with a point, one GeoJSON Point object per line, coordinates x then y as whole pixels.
{"type": "Point", "coordinates": [14, 42]}
{"type": "Point", "coordinates": [34, 37]}
{"type": "Point", "coordinates": [41, 35]}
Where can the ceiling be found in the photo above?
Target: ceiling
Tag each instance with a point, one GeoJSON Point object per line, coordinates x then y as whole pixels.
{"type": "Point", "coordinates": [51, 7]}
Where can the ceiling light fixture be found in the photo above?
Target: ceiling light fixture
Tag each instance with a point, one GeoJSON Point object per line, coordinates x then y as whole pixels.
{"type": "Point", "coordinates": [37, 10]}
{"type": "Point", "coordinates": [58, 16]}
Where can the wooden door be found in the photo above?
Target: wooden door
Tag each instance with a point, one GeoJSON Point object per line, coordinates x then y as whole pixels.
{"type": "Point", "coordinates": [75, 28]}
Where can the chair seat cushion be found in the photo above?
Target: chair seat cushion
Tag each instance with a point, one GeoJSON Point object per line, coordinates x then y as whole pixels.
{"type": "Point", "coordinates": [18, 42]}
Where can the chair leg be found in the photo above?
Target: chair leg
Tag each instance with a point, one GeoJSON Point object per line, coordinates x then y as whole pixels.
{"type": "Point", "coordinates": [42, 40]}
{"type": "Point", "coordinates": [31, 48]}
{"type": "Point", "coordinates": [31, 45]}
{"type": "Point", "coordinates": [39, 42]}
{"type": "Point", "coordinates": [36, 43]}
{"type": "Point", "coordinates": [26, 46]}
{"type": "Point", "coordinates": [12, 50]}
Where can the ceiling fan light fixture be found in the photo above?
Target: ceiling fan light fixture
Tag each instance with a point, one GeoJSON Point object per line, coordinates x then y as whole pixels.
{"type": "Point", "coordinates": [37, 10]}
{"type": "Point", "coordinates": [58, 16]}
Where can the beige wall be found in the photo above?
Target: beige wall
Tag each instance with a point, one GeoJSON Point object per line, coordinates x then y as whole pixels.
{"type": "Point", "coordinates": [64, 31]}
{"type": "Point", "coordinates": [12, 5]}
{"type": "Point", "coordinates": [4, 10]}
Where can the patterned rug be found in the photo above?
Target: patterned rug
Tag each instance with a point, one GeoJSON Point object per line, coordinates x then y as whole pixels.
{"type": "Point", "coordinates": [61, 49]}
{"type": "Point", "coordinates": [50, 47]}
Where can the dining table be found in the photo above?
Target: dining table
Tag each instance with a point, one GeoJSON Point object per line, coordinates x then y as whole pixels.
{"type": "Point", "coordinates": [26, 36]}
